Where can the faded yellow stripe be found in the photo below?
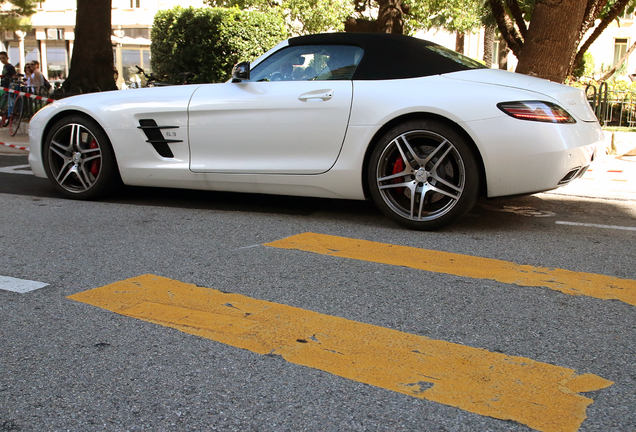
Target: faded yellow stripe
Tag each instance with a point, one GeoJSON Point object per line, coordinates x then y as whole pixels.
{"type": "Point", "coordinates": [540, 395]}
{"type": "Point", "coordinates": [566, 281]}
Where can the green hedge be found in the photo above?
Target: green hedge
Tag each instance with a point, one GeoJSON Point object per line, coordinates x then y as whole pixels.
{"type": "Point", "coordinates": [209, 41]}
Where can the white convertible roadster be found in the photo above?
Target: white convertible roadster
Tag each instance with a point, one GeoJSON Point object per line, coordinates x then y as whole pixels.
{"type": "Point", "coordinates": [418, 128]}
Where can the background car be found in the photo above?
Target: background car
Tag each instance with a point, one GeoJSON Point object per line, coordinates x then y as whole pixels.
{"type": "Point", "coordinates": [418, 128]}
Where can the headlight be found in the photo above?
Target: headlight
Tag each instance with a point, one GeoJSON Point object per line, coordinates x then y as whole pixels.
{"type": "Point", "coordinates": [547, 112]}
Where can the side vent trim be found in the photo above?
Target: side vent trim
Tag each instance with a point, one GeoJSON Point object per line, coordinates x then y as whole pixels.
{"type": "Point", "coordinates": [156, 138]}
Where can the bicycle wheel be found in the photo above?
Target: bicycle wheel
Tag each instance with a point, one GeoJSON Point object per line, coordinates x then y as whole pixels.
{"type": "Point", "coordinates": [16, 115]}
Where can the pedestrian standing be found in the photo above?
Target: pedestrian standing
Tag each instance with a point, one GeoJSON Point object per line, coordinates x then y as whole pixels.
{"type": "Point", "coordinates": [27, 75]}
{"type": "Point", "coordinates": [8, 71]}
{"type": "Point", "coordinates": [37, 79]}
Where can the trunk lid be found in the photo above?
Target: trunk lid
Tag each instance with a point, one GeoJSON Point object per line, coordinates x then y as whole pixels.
{"type": "Point", "coordinates": [570, 98]}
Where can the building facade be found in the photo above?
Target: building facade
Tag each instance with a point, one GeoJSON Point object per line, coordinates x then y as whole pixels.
{"type": "Point", "coordinates": [50, 40]}
{"type": "Point", "coordinates": [613, 43]}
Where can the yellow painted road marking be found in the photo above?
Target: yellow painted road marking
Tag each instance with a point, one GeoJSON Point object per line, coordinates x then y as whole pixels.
{"type": "Point", "coordinates": [542, 396]}
{"type": "Point", "coordinates": [566, 281]}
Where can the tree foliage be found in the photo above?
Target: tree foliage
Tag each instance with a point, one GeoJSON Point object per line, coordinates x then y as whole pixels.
{"type": "Point", "coordinates": [316, 16]}
{"type": "Point", "coordinates": [453, 15]}
{"type": "Point", "coordinates": [14, 14]}
{"type": "Point", "coordinates": [209, 41]}
{"type": "Point", "coordinates": [300, 16]}
{"type": "Point", "coordinates": [387, 16]}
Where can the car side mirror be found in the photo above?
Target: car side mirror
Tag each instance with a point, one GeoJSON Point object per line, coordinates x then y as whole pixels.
{"type": "Point", "coordinates": [241, 72]}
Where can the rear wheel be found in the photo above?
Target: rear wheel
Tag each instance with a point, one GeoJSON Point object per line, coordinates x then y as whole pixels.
{"type": "Point", "coordinates": [79, 159]}
{"type": "Point", "coordinates": [423, 175]}
{"type": "Point", "coordinates": [16, 115]}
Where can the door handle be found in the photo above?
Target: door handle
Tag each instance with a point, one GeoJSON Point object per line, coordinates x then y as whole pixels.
{"type": "Point", "coordinates": [324, 95]}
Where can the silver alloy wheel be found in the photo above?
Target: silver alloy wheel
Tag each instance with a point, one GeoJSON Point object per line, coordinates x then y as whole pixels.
{"type": "Point", "coordinates": [420, 175]}
{"type": "Point", "coordinates": [75, 158]}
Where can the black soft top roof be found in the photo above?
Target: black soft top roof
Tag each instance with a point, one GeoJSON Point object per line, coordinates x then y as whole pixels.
{"type": "Point", "coordinates": [393, 56]}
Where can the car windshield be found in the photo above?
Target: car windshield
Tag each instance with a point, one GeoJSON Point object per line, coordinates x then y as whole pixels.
{"type": "Point", "coordinates": [309, 63]}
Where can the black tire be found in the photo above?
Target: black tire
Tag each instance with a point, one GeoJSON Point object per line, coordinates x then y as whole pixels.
{"type": "Point", "coordinates": [79, 159]}
{"type": "Point", "coordinates": [16, 115]}
{"type": "Point", "coordinates": [423, 175]}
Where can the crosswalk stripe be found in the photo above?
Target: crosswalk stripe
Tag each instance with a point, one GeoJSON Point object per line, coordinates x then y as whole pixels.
{"type": "Point", "coordinates": [543, 396]}
{"type": "Point", "coordinates": [566, 281]}
{"type": "Point", "coordinates": [19, 285]}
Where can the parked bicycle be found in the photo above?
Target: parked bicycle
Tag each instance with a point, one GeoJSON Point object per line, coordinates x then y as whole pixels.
{"type": "Point", "coordinates": [16, 107]}
{"type": "Point", "coordinates": [8, 105]}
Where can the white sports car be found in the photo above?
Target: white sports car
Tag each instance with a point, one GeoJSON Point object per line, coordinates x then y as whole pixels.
{"type": "Point", "coordinates": [418, 128]}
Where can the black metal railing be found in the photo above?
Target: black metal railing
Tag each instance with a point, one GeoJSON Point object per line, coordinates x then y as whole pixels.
{"type": "Point", "coordinates": [612, 107]}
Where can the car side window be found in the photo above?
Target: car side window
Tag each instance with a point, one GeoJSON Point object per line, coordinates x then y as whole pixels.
{"type": "Point", "coordinates": [309, 63]}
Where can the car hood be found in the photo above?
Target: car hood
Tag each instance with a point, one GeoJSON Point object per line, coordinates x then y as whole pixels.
{"type": "Point", "coordinates": [570, 98]}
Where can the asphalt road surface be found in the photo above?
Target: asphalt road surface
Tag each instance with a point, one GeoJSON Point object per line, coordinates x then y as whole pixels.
{"type": "Point", "coordinates": [165, 310]}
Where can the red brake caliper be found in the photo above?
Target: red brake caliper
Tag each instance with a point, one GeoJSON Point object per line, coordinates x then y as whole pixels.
{"type": "Point", "coordinates": [398, 167]}
{"type": "Point", "coordinates": [95, 163]}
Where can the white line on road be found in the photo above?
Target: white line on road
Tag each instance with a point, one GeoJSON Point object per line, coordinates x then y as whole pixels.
{"type": "Point", "coordinates": [19, 285]}
{"type": "Point", "coordinates": [596, 225]}
{"type": "Point", "coordinates": [17, 169]}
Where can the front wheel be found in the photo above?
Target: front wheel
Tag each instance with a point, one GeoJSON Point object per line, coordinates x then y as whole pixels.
{"type": "Point", "coordinates": [79, 159]}
{"type": "Point", "coordinates": [423, 175]}
{"type": "Point", "coordinates": [16, 115]}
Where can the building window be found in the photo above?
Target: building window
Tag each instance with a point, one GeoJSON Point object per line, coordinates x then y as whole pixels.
{"type": "Point", "coordinates": [57, 62]}
{"type": "Point", "coordinates": [14, 53]}
{"type": "Point", "coordinates": [131, 57]}
{"type": "Point", "coordinates": [620, 48]}
{"type": "Point", "coordinates": [137, 33]}
{"type": "Point", "coordinates": [31, 52]}
{"type": "Point", "coordinates": [495, 54]}
{"type": "Point", "coordinates": [135, 3]}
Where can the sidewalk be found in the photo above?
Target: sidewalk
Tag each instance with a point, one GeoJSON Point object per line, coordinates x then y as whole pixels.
{"type": "Point", "coordinates": [610, 175]}
{"type": "Point", "coordinates": [14, 145]}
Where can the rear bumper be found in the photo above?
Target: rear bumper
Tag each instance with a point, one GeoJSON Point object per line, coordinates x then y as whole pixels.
{"type": "Point", "coordinates": [522, 157]}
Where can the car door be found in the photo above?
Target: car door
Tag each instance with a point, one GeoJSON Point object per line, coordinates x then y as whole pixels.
{"type": "Point", "coordinates": [290, 118]}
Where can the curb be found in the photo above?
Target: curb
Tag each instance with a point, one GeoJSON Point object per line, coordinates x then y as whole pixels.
{"type": "Point", "coordinates": [620, 143]}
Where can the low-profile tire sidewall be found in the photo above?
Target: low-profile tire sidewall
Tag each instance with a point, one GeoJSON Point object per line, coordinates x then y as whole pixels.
{"type": "Point", "coordinates": [108, 180]}
{"type": "Point", "coordinates": [467, 153]}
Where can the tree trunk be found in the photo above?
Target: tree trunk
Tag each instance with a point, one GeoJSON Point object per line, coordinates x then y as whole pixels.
{"type": "Point", "coordinates": [550, 43]}
{"type": "Point", "coordinates": [359, 25]}
{"type": "Point", "coordinates": [489, 39]}
{"type": "Point", "coordinates": [509, 33]}
{"type": "Point", "coordinates": [502, 55]}
{"type": "Point", "coordinates": [459, 42]}
{"type": "Point", "coordinates": [390, 19]}
{"type": "Point", "coordinates": [92, 62]}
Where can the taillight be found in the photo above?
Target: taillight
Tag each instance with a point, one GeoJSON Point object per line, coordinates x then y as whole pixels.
{"type": "Point", "coordinates": [536, 111]}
